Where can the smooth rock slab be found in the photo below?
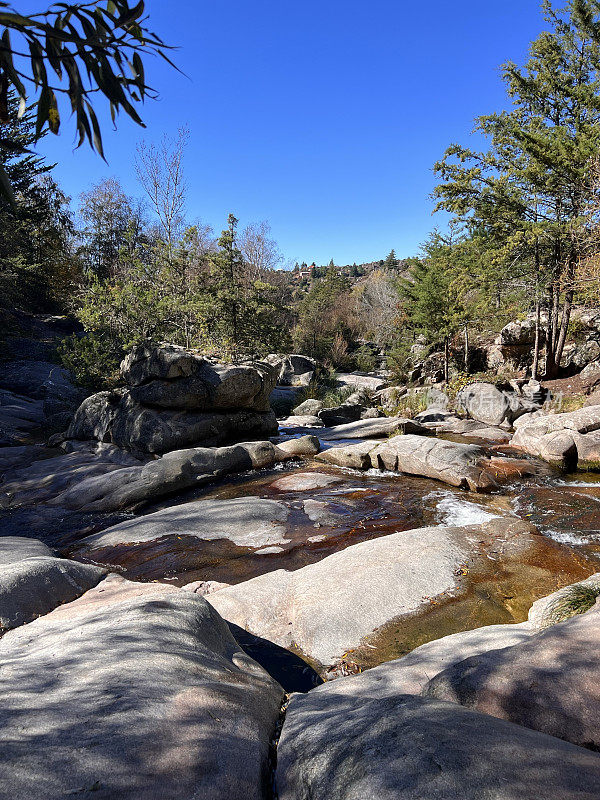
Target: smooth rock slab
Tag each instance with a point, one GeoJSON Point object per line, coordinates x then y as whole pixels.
{"type": "Point", "coordinates": [328, 607]}
{"type": "Point", "coordinates": [352, 748]}
{"type": "Point", "coordinates": [172, 472]}
{"type": "Point", "coordinates": [135, 692]}
{"type": "Point", "coordinates": [304, 482]}
{"type": "Point", "coordinates": [245, 521]}
{"type": "Point", "coordinates": [374, 429]}
{"type": "Point", "coordinates": [33, 581]}
{"type": "Point", "coordinates": [550, 683]}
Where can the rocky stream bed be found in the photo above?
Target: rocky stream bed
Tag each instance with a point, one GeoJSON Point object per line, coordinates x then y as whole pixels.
{"type": "Point", "coordinates": [159, 609]}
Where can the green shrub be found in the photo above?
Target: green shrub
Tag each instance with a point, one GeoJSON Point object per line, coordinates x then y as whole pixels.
{"type": "Point", "coordinates": [93, 360]}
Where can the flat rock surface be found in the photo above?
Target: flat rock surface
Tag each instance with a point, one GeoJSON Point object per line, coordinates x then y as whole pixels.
{"type": "Point", "coordinates": [328, 607]}
{"type": "Point", "coordinates": [550, 683]}
{"type": "Point", "coordinates": [249, 522]}
{"type": "Point", "coordinates": [374, 429]}
{"type": "Point", "coordinates": [352, 748]}
{"type": "Point", "coordinates": [136, 692]}
{"type": "Point", "coordinates": [304, 481]}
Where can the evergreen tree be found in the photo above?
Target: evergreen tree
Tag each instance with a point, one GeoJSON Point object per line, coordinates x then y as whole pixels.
{"type": "Point", "coordinates": [36, 262]}
{"type": "Point", "coordinates": [525, 195]}
{"type": "Point", "coordinates": [391, 262]}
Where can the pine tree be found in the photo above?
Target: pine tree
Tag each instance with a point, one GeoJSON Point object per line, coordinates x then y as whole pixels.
{"type": "Point", "coordinates": [526, 193]}
{"type": "Point", "coordinates": [36, 263]}
{"type": "Point", "coordinates": [391, 262]}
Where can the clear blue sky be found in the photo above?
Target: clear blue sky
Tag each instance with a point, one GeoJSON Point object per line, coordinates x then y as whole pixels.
{"type": "Point", "coordinates": [322, 117]}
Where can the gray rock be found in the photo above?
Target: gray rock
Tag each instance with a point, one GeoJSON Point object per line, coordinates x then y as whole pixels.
{"type": "Point", "coordinates": [450, 462]}
{"type": "Point", "coordinates": [549, 683]}
{"type": "Point", "coordinates": [305, 421]}
{"type": "Point", "coordinates": [560, 438]}
{"type": "Point", "coordinates": [372, 413]}
{"type": "Point", "coordinates": [308, 408]}
{"type": "Point", "coordinates": [293, 369]}
{"type": "Point", "coordinates": [362, 380]}
{"type": "Point", "coordinates": [374, 429]}
{"type": "Point", "coordinates": [486, 403]}
{"type": "Point", "coordinates": [247, 522]}
{"type": "Point", "coordinates": [590, 375]}
{"type": "Point", "coordinates": [115, 417]}
{"type": "Point", "coordinates": [351, 748]}
{"type": "Point", "coordinates": [341, 415]}
{"type": "Point", "coordinates": [302, 446]}
{"type": "Point", "coordinates": [33, 581]}
{"type": "Point", "coordinates": [44, 479]}
{"type": "Point", "coordinates": [519, 332]}
{"type": "Point", "coordinates": [304, 481]}
{"type": "Point", "coordinates": [328, 607]}
{"type": "Point", "coordinates": [178, 400]}
{"type": "Point", "coordinates": [18, 548]}
{"type": "Point", "coordinates": [355, 456]}
{"type": "Point", "coordinates": [135, 691]}
{"type": "Point", "coordinates": [170, 473]}
{"type": "Point", "coordinates": [39, 380]}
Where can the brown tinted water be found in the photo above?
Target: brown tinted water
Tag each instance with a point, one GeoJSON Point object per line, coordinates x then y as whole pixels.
{"type": "Point", "coordinates": [367, 505]}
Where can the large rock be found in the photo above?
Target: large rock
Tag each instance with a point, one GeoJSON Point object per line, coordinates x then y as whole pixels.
{"type": "Point", "coordinates": [33, 581]}
{"type": "Point", "coordinates": [455, 463]}
{"type": "Point", "coordinates": [374, 429]}
{"type": "Point", "coordinates": [550, 683]}
{"type": "Point", "coordinates": [341, 415]}
{"type": "Point", "coordinates": [451, 462]}
{"type": "Point", "coordinates": [308, 408]}
{"type": "Point", "coordinates": [562, 439]}
{"type": "Point", "coordinates": [328, 607]}
{"type": "Point", "coordinates": [335, 605]}
{"type": "Point", "coordinates": [336, 747]}
{"type": "Point", "coordinates": [172, 472]}
{"type": "Point", "coordinates": [484, 402]}
{"type": "Point", "coordinates": [590, 375]}
{"type": "Point", "coordinates": [137, 692]}
{"type": "Point", "coordinates": [362, 380]}
{"type": "Point", "coordinates": [354, 456]}
{"type": "Point", "coordinates": [115, 417]}
{"type": "Point", "coordinates": [44, 478]}
{"type": "Point", "coordinates": [178, 399]}
{"type": "Point", "coordinates": [293, 369]}
{"type": "Point", "coordinates": [247, 522]}
{"type": "Point", "coordinates": [519, 332]}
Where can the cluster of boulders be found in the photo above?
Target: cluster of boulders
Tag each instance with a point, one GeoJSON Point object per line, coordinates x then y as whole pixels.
{"type": "Point", "coordinates": [505, 712]}
{"type": "Point", "coordinates": [514, 345]}
{"type": "Point", "coordinates": [176, 398]}
{"type": "Point", "coordinates": [314, 413]}
{"type": "Point", "coordinates": [120, 689]}
{"type": "Point", "coordinates": [292, 369]}
{"type": "Point", "coordinates": [569, 441]}
{"type": "Point", "coordinates": [37, 395]}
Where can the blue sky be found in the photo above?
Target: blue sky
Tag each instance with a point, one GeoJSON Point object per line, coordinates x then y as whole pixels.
{"type": "Point", "coordinates": [322, 117]}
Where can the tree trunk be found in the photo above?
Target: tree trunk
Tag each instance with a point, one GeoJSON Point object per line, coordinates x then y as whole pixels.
{"type": "Point", "coordinates": [446, 359]}
{"type": "Point", "coordinates": [567, 306]}
{"type": "Point", "coordinates": [536, 347]}
{"type": "Point", "coordinates": [467, 348]}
